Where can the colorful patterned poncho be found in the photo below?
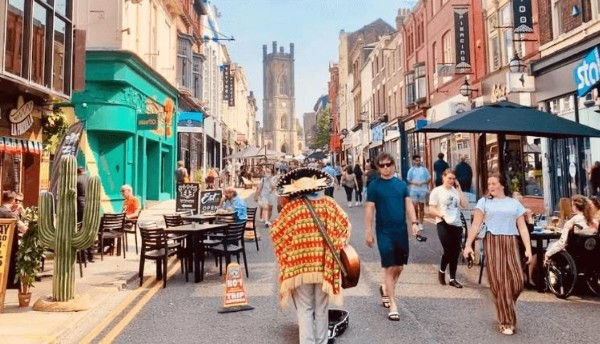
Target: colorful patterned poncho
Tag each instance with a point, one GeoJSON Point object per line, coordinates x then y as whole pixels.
{"type": "Point", "coordinates": [302, 253]}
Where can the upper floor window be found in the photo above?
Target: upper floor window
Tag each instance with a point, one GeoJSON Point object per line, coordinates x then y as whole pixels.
{"type": "Point", "coordinates": [447, 48]}
{"type": "Point", "coordinates": [502, 45]}
{"type": "Point", "coordinates": [283, 85]}
{"type": "Point", "coordinates": [410, 88]}
{"type": "Point", "coordinates": [420, 82]}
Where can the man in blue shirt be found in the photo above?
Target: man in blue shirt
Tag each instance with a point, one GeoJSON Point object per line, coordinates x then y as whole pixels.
{"type": "Point", "coordinates": [330, 171]}
{"type": "Point", "coordinates": [232, 201]}
{"type": "Point", "coordinates": [417, 178]}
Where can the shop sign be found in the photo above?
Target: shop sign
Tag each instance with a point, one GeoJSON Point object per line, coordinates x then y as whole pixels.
{"type": "Point", "coordinates": [21, 117]}
{"type": "Point", "coordinates": [7, 228]}
{"type": "Point", "coordinates": [187, 197]}
{"type": "Point", "coordinates": [461, 37]}
{"type": "Point", "coordinates": [69, 145]}
{"type": "Point", "coordinates": [522, 16]}
{"type": "Point", "coordinates": [587, 72]}
{"type": "Point", "coordinates": [147, 121]}
{"type": "Point", "coordinates": [210, 201]}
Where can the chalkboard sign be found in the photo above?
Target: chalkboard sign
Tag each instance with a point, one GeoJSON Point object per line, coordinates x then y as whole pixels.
{"type": "Point", "coordinates": [187, 197]}
{"type": "Point", "coordinates": [69, 145]}
{"type": "Point", "coordinates": [7, 228]}
{"type": "Point", "coordinates": [210, 201]}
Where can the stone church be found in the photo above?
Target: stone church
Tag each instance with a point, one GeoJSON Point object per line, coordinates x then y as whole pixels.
{"type": "Point", "coordinates": [279, 121]}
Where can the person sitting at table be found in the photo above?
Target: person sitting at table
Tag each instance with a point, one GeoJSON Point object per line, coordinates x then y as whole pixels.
{"type": "Point", "coordinates": [595, 204]}
{"type": "Point", "coordinates": [233, 202]}
{"type": "Point", "coordinates": [131, 205]}
{"type": "Point", "coordinates": [583, 219]}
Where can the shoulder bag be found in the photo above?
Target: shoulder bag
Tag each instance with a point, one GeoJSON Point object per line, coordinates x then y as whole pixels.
{"type": "Point", "coordinates": [483, 228]}
{"type": "Point", "coordinates": [347, 259]}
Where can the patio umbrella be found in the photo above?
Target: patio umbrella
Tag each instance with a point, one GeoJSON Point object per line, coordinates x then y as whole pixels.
{"type": "Point", "coordinates": [248, 152]}
{"type": "Point", "coordinates": [510, 118]}
{"type": "Point", "coordinates": [318, 155]}
{"type": "Point", "coordinates": [299, 157]}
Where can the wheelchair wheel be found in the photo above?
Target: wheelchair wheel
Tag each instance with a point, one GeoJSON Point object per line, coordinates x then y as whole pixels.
{"type": "Point", "coordinates": [561, 274]}
{"type": "Point", "coordinates": [593, 281]}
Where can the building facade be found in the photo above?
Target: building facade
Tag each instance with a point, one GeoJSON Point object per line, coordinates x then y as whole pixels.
{"type": "Point", "coordinates": [279, 100]}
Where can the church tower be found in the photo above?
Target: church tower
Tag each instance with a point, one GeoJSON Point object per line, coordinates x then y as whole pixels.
{"type": "Point", "coordinates": [279, 101]}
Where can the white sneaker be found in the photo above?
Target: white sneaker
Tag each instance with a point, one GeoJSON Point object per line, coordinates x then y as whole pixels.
{"type": "Point", "coordinates": [356, 204]}
{"type": "Point", "coordinates": [267, 223]}
{"type": "Point", "coordinates": [420, 226]}
{"type": "Point", "coordinates": [349, 204]}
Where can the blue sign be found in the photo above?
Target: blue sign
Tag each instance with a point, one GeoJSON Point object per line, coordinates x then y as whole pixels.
{"type": "Point", "coordinates": [190, 119]}
{"type": "Point", "coordinates": [587, 73]}
{"type": "Point", "coordinates": [377, 133]}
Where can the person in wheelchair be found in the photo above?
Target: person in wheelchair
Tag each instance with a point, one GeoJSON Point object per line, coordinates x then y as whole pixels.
{"type": "Point", "coordinates": [595, 204]}
{"type": "Point", "coordinates": [583, 222]}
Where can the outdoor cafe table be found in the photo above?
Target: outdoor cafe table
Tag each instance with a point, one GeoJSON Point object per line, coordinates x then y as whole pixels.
{"type": "Point", "coordinates": [206, 217]}
{"type": "Point", "coordinates": [540, 249]}
{"type": "Point", "coordinates": [194, 232]}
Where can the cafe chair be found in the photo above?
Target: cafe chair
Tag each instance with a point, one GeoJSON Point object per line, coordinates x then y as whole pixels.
{"type": "Point", "coordinates": [225, 218]}
{"type": "Point", "coordinates": [231, 244]}
{"type": "Point", "coordinates": [251, 224]}
{"type": "Point", "coordinates": [155, 247]}
{"type": "Point", "coordinates": [174, 220]}
{"type": "Point", "coordinates": [131, 228]}
{"type": "Point", "coordinates": [112, 229]}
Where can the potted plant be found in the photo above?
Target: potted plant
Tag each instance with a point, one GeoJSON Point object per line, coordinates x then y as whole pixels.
{"type": "Point", "coordinates": [29, 256]}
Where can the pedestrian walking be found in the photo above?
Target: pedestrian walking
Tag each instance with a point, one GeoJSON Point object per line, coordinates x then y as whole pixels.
{"type": "Point", "coordinates": [438, 169]}
{"type": "Point", "coordinates": [464, 174]}
{"type": "Point", "coordinates": [358, 196]}
{"type": "Point", "coordinates": [444, 203]}
{"type": "Point", "coordinates": [349, 183]}
{"type": "Point", "coordinates": [338, 173]}
{"type": "Point", "coordinates": [265, 197]}
{"type": "Point", "coordinates": [505, 222]}
{"type": "Point", "coordinates": [418, 177]}
{"type": "Point", "coordinates": [331, 171]}
{"type": "Point", "coordinates": [388, 199]}
{"type": "Point", "coordinates": [310, 277]}
{"type": "Point", "coordinates": [181, 173]}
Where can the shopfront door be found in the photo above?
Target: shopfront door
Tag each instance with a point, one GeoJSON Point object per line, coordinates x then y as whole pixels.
{"type": "Point", "coordinates": [567, 161]}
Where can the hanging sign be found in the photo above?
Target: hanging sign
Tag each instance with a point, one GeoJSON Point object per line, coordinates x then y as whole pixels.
{"type": "Point", "coordinates": [587, 72]}
{"type": "Point", "coordinates": [522, 16]}
{"type": "Point", "coordinates": [461, 37]}
{"type": "Point", "coordinates": [187, 197]}
{"type": "Point", "coordinates": [227, 84]}
{"type": "Point", "coordinates": [231, 96]}
{"type": "Point", "coordinates": [21, 117]}
{"type": "Point", "coordinates": [69, 145]}
{"type": "Point", "coordinates": [7, 228]}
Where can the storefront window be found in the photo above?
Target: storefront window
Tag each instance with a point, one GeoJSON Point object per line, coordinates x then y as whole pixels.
{"type": "Point", "coordinates": [14, 37]}
{"type": "Point", "coordinates": [10, 171]}
{"type": "Point", "coordinates": [38, 45]}
{"type": "Point", "coordinates": [58, 69]}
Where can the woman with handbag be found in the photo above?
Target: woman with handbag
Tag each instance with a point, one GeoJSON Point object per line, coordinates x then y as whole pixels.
{"type": "Point", "coordinates": [349, 183]}
{"type": "Point", "coordinates": [444, 203]}
{"type": "Point", "coordinates": [308, 270]}
{"type": "Point", "coordinates": [505, 224]}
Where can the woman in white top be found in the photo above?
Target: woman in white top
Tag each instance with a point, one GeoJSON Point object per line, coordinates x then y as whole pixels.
{"type": "Point", "coordinates": [444, 203]}
{"type": "Point", "coordinates": [583, 218]}
{"type": "Point", "coordinates": [265, 197]}
{"type": "Point", "coordinates": [505, 222]}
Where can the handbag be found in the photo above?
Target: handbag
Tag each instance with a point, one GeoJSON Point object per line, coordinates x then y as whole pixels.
{"type": "Point", "coordinates": [483, 228]}
{"type": "Point", "coordinates": [347, 259]}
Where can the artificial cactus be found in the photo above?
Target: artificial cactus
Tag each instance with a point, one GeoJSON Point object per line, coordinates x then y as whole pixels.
{"type": "Point", "coordinates": [61, 234]}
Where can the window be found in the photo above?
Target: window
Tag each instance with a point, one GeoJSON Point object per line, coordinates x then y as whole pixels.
{"type": "Point", "coordinates": [283, 85]}
{"type": "Point", "coordinates": [39, 47]}
{"type": "Point", "coordinates": [58, 69]}
{"type": "Point", "coordinates": [197, 75]}
{"type": "Point", "coordinates": [557, 18]}
{"type": "Point", "coordinates": [14, 37]}
{"type": "Point", "coordinates": [284, 124]}
{"type": "Point", "coordinates": [420, 83]}
{"type": "Point", "coordinates": [447, 48]}
{"type": "Point", "coordinates": [410, 88]}
{"type": "Point", "coordinates": [184, 62]}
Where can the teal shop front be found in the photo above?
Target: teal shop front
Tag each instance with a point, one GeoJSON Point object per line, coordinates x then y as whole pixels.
{"type": "Point", "coordinates": [131, 135]}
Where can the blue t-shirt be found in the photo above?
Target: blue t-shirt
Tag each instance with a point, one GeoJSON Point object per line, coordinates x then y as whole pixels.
{"type": "Point", "coordinates": [500, 215]}
{"type": "Point", "coordinates": [329, 170]}
{"type": "Point", "coordinates": [418, 174]}
{"type": "Point", "coordinates": [389, 197]}
{"type": "Point", "coordinates": [239, 206]}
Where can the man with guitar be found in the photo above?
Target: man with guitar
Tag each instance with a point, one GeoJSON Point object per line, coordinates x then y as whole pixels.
{"type": "Point", "coordinates": [309, 271]}
{"type": "Point", "coordinates": [388, 198]}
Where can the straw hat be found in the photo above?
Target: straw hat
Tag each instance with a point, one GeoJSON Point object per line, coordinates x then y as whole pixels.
{"type": "Point", "coordinates": [303, 180]}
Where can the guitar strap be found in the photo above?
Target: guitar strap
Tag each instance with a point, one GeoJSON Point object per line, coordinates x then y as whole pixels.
{"type": "Point", "coordinates": [324, 234]}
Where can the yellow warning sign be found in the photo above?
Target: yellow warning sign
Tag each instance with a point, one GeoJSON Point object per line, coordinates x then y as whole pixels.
{"type": "Point", "coordinates": [235, 292]}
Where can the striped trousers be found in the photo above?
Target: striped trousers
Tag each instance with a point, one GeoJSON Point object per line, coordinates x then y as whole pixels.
{"type": "Point", "coordinates": [505, 275]}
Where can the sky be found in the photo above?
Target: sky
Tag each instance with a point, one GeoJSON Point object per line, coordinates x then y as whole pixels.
{"type": "Point", "coordinates": [312, 25]}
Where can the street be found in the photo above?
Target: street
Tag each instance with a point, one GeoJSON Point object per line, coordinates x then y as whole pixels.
{"type": "Point", "coordinates": [430, 313]}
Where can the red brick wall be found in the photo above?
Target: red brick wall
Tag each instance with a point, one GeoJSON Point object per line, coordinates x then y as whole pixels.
{"type": "Point", "coordinates": [545, 19]}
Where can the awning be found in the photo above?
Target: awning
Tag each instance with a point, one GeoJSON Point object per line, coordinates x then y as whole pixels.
{"type": "Point", "coordinates": [18, 146]}
{"type": "Point", "coordinates": [375, 144]}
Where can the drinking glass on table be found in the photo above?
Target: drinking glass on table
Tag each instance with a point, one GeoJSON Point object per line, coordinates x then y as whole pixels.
{"type": "Point", "coordinates": [555, 221]}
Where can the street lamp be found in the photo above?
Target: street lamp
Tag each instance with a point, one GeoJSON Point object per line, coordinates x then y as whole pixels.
{"type": "Point", "coordinates": [466, 90]}
{"type": "Point", "coordinates": [516, 65]}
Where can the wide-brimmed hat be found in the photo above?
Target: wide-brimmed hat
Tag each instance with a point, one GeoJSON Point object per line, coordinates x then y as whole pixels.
{"type": "Point", "coordinates": [303, 180]}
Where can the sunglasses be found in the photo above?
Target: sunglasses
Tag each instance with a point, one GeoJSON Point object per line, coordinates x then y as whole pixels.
{"type": "Point", "coordinates": [19, 200]}
{"type": "Point", "coordinates": [386, 164]}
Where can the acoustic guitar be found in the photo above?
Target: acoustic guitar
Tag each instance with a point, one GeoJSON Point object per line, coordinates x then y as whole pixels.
{"type": "Point", "coordinates": [347, 259]}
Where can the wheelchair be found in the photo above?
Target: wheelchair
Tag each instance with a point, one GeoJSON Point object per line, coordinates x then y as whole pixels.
{"type": "Point", "coordinates": [579, 262]}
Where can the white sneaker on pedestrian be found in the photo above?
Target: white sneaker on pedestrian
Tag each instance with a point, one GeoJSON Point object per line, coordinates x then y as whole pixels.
{"type": "Point", "coordinates": [349, 204]}
{"type": "Point", "coordinates": [356, 204]}
{"type": "Point", "coordinates": [267, 223]}
{"type": "Point", "coordinates": [420, 226]}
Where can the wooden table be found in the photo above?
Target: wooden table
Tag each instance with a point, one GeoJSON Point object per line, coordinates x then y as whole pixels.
{"type": "Point", "coordinates": [540, 249]}
{"type": "Point", "coordinates": [201, 218]}
{"type": "Point", "coordinates": [194, 233]}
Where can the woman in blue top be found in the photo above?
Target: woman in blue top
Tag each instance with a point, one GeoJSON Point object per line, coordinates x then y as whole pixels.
{"type": "Point", "coordinates": [505, 222]}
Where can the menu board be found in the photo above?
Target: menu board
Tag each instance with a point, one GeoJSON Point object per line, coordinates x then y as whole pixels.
{"type": "Point", "coordinates": [210, 201]}
{"type": "Point", "coordinates": [187, 197]}
{"type": "Point", "coordinates": [7, 227]}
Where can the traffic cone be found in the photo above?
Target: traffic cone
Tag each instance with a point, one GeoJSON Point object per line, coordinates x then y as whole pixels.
{"type": "Point", "coordinates": [235, 292]}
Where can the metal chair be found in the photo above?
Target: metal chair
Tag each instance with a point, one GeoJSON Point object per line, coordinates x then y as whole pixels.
{"type": "Point", "coordinates": [155, 247]}
{"type": "Point", "coordinates": [131, 228]}
{"type": "Point", "coordinates": [231, 244]}
{"type": "Point", "coordinates": [112, 228]}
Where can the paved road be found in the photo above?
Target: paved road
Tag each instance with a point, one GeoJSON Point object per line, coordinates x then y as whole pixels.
{"type": "Point", "coordinates": [430, 313]}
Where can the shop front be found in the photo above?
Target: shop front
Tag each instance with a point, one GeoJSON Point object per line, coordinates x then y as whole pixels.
{"type": "Point", "coordinates": [190, 143]}
{"type": "Point", "coordinates": [567, 86]}
{"type": "Point", "coordinates": [412, 142]}
{"type": "Point", "coordinates": [130, 125]}
{"type": "Point", "coordinates": [21, 145]}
